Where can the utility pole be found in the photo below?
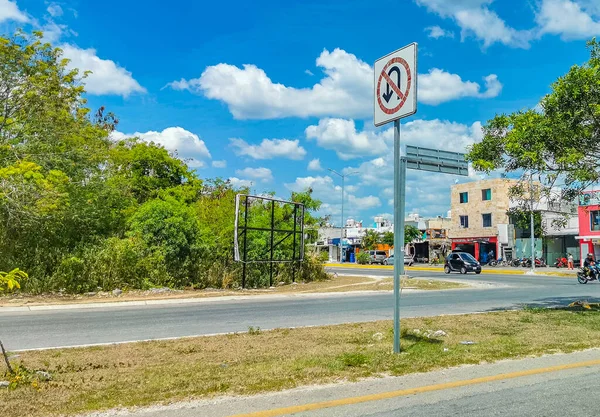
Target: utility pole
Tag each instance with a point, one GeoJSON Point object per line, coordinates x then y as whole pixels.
{"type": "Point", "coordinates": [532, 223]}
{"type": "Point", "coordinates": [343, 177]}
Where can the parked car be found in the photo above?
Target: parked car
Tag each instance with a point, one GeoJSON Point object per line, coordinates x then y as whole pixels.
{"type": "Point", "coordinates": [408, 260]}
{"type": "Point", "coordinates": [377, 256]}
{"type": "Point", "coordinates": [462, 262]}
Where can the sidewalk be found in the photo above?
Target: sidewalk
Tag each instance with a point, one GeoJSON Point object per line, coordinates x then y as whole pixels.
{"type": "Point", "coordinates": [547, 271]}
{"type": "Point", "coordinates": [421, 390]}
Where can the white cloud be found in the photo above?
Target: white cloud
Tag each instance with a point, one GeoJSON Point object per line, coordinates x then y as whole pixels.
{"type": "Point", "coordinates": [259, 174]}
{"type": "Point", "coordinates": [345, 91]}
{"type": "Point", "coordinates": [476, 19]}
{"type": "Point", "coordinates": [568, 19]}
{"type": "Point", "coordinates": [386, 216]}
{"type": "Point", "coordinates": [364, 203]}
{"type": "Point", "coordinates": [238, 183]}
{"type": "Point", "coordinates": [439, 86]}
{"type": "Point", "coordinates": [269, 149]}
{"type": "Point", "coordinates": [437, 32]}
{"type": "Point", "coordinates": [251, 94]}
{"type": "Point", "coordinates": [188, 146]}
{"type": "Point", "coordinates": [55, 10]}
{"type": "Point", "coordinates": [429, 192]}
{"type": "Point", "coordinates": [436, 134]}
{"type": "Point", "coordinates": [106, 78]}
{"type": "Point", "coordinates": [53, 31]}
{"type": "Point", "coordinates": [194, 163]}
{"type": "Point", "coordinates": [441, 134]}
{"type": "Point", "coordinates": [219, 164]}
{"type": "Point", "coordinates": [340, 135]}
{"type": "Point", "coordinates": [324, 189]}
{"type": "Point", "coordinates": [315, 165]}
{"type": "Point", "coordinates": [309, 72]}
{"type": "Point", "coordinates": [10, 11]}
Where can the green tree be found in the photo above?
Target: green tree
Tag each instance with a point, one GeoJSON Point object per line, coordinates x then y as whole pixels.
{"type": "Point", "coordinates": [170, 229]}
{"type": "Point", "coordinates": [81, 210]}
{"type": "Point", "coordinates": [388, 238]}
{"type": "Point", "coordinates": [411, 233]}
{"type": "Point", "coordinates": [371, 239]}
{"type": "Point", "coordinates": [557, 143]}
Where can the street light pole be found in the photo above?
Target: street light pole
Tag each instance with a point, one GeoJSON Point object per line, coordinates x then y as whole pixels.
{"type": "Point", "coordinates": [532, 223]}
{"type": "Point", "coordinates": [343, 177]}
{"type": "Point", "coordinates": [342, 224]}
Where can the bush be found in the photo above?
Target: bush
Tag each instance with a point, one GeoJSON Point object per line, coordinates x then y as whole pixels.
{"type": "Point", "coordinates": [9, 281]}
{"type": "Point", "coordinates": [363, 258]}
{"type": "Point", "coordinates": [114, 263]}
{"type": "Point", "coordinates": [170, 230]}
{"type": "Point", "coordinates": [324, 256]}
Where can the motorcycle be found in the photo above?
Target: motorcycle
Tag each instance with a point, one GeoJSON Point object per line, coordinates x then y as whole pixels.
{"type": "Point", "coordinates": [517, 262]}
{"type": "Point", "coordinates": [585, 275]}
{"type": "Point", "coordinates": [561, 263]}
{"type": "Point", "coordinates": [497, 262]}
{"type": "Point", "coordinates": [539, 263]}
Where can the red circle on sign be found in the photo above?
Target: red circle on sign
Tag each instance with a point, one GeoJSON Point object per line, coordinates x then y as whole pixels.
{"type": "Point", "coordinates": [403, 96]}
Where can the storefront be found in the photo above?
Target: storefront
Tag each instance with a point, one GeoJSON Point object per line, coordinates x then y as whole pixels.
{"type": "Point", "coordinates": [589, 224]}
{"type": "Point", "coordinates": [480, 247]}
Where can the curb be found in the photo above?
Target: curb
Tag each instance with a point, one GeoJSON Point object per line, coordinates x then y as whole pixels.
{"type": "Point", "coordinates": [175, 301]}
{"type": "Point", "coordinates": [439, 269]}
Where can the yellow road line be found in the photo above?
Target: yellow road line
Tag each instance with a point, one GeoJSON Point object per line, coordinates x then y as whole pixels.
{"type": "Point", "coordinates": [411, 391]}
{"type": "Point", "coordinates": [440, 269]}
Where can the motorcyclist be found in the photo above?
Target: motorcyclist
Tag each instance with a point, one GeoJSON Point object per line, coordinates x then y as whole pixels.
{"type": "Point", "coordinates": [591, 265]}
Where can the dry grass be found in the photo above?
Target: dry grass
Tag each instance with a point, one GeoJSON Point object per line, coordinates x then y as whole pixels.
{"type": "Point", "coordinates": [150, 372]}
{"type": "Point", "coordinates": [336, 284]}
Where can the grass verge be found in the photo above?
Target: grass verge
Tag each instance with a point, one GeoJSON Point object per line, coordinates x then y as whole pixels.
{"type": "Point", "coordinates": [140, 374]}
{"type": "Point", "coordinates": [336, 284]}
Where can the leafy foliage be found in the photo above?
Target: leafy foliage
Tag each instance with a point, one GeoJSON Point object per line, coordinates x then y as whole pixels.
{"type": "Point", "coordinates": [559, 142]}
{"type": "Point", "coordinates": [411, 233]}
{"type": "Point", "coordinates": [371, 239]}
{"type": "Point", "coordinates": [388, 238]}
{"type": "Point", "coordinates": [522, 220]}
{"type": "Point", "coordinates": [363, 258]}
{"type": "Point", "coordinates": [9, 281]}
{"type": "Point", "coordinates": [80, 210]}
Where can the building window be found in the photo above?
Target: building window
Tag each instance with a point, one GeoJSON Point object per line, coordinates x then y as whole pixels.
{"type": "Point", "coordinates": [595, 220]}
{"type": "Point", "coordinates": [486, 194]}
{"type": "Point", "coordinates": [464, 221]}
{"type": "Point", "coordinates": [464, 197]}
{"type": "Point", "coordinates": [487, 219]}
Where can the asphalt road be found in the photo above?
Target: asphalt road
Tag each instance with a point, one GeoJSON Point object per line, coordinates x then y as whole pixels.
{"type": "Point", "coordinates": [44, 329]}
{"type": "Point", "coordinates": [549, 386]}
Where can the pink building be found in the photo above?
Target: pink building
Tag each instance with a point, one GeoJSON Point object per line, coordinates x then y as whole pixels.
{"type": "Point", "coordinates": [589, 224]}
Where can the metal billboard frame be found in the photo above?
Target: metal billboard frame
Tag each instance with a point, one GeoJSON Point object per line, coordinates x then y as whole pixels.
{"type": "Point", "coordinates": [241, 231]}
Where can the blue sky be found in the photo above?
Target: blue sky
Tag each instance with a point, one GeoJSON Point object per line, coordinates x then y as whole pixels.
{"type": "Point", "coordinates": [272, 93]}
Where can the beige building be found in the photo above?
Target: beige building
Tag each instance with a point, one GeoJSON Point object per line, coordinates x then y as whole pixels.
{"type": "Point", "coordinates": [479, 216]}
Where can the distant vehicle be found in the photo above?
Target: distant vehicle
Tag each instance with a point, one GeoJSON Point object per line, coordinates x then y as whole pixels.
{"type": "Point", "coordinates": [408, 260]}
{"type": "Point", "coordinates": [462, 262]}
{"type": "Point", "coordinates": [377, 256]}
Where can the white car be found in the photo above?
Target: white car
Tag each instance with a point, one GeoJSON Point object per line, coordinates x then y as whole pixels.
{"type": "Point", "coordinates": [408, 260]}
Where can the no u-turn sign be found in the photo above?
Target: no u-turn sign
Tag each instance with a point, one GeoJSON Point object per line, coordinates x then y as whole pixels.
{"type": "Point", "coordinates": [396, 85]}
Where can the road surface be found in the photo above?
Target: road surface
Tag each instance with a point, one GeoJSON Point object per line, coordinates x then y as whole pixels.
{"type": "Point", "coordinates": [45, 329]}
{"type": "Point", "coordinates": [549, 386]}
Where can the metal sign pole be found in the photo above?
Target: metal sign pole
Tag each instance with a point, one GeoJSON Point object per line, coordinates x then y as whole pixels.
{"type": "Point", "coordinates": [398, 233]}
{"type": "Point", "coordinates": [395, 98]}
{"type": "Point", "coordinates": [402, 209]}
